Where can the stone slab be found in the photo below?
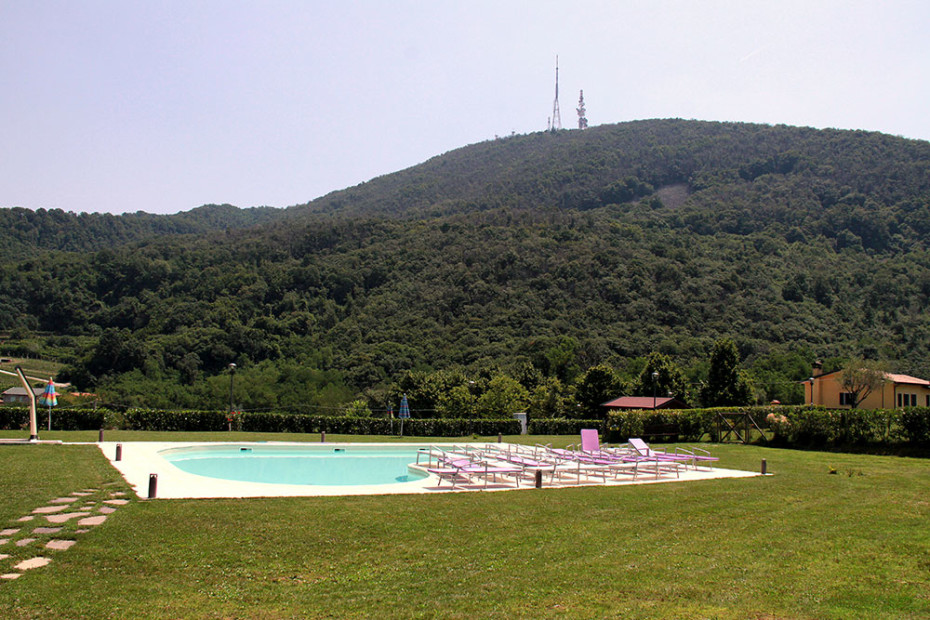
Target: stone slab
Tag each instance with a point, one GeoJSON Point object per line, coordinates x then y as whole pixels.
{"type": "Point", "coordinates": [9, 532]}
{"type": "Point", "coordinates": [82, 493]}
{"type": "Point", "coordinates": [47, 530]}
{"type": "Point", "coordinates": [4, 556]}
{"type": "Point", "coordinates": [32, 563]}
{"type": "Point", "coordinates": [97, 520]}
{"type": "Point", "coordinates": [63, 500]}
{"type": "Point", "coordinates": [116, 502]}
{"type": "Point", "coordinates": [4, 541]}
{"type": "Point", "coordinates": [26, 518]}
{"type": "Point", "coordinates": [47, 510]}
{"type": "Point", "coordinates": [107, 510]}
{"type": "Point", "coordinates": [10, 576]}
{"type": "Point", "coordinates": [117, 493]}
{"type": "Point", "coordinates": [81, 531]}
{"type": "Point", "coordinates": [67, 516]}
{"type": "Point", "coordinates": [60, 545]}
{"type": "Point", "coordinates": [22, 542]}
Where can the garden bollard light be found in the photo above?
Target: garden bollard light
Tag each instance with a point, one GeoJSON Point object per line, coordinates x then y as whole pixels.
{"type": "Point", "coordinates": [153, 485]}
{"type": "Point", "coordinates": [119, 452]}
{"type": "Point", "coordinates": [498, 438]}
{"type": "Point", "coordinates": [323, 437]}
{"type": "Point", "coordinates": [100, 436]}
{"type": "Point", "coordinates": [538, 478]}
{"type": "Point", "coordinates": [763, 467]}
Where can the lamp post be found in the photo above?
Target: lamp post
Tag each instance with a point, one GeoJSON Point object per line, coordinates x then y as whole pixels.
{"type": "Point", "coordinates": [655, 380]}
{"type": "Point", "coordinates": [811, 380]}
{"type": "Point", "coordinates": [232, 373]}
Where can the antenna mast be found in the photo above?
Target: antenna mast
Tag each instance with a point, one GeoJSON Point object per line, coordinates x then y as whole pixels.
{"type": "Point", "coordinates": [556, 123]}
{"type": "Point", "coordinates": [582, 115]}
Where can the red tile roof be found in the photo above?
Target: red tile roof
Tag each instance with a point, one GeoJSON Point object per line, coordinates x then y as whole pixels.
{"type": "Point", "coordinates": [906, 379]}
{"type": "Point", "coordinates": [640, 402]}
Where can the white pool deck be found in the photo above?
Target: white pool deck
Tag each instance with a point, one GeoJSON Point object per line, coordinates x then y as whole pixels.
{"type": "Point", "coordinates": [141, 459]}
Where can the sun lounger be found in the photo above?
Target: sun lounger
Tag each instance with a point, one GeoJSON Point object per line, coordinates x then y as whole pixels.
{"type": "Point", "coordinates": [529, 464]}
{"type": "Point", "coordinates": [457, 468]}
{"type": "Point", "coordinates": [681, 455]}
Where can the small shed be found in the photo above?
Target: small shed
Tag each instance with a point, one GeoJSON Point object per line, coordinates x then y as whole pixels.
{"type": "Point", "coordinates": [18, 395]}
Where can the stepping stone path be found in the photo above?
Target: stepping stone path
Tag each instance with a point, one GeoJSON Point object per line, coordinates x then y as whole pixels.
{"type": "Point", "coordinates": [65, 517]}
{"type": "Point", "coordinates": [47, 510]}
{"type": "Point", "coordinates": [46, 530]}
{"type": "Point", "coordinates": [81, 506]}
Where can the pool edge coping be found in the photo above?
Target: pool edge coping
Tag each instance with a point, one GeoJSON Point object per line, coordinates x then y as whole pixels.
{"type": "Point", "coordinates": [141, 459]}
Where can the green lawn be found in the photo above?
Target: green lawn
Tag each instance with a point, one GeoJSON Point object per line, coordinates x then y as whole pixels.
{"type": "Point", "coordinates": [803, 543]}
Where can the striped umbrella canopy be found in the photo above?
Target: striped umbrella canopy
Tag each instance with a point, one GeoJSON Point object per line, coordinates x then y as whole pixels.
{"type": "Point", "coordinates": [49, 397]}
{"type": "Point", "coordinates": [404, 408]}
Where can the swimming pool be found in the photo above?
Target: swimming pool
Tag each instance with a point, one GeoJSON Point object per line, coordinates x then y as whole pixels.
{"type": "Point", "coordinates": [299, 465]}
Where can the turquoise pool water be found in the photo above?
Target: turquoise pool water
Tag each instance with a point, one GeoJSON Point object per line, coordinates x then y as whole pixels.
{"type": "Point", "coordinates": [312, 464]}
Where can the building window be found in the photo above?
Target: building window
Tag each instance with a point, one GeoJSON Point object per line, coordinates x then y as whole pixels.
{"type": "Point", "coordinates": [909, 400]}
{"type": "Point", "coordinates": [847, 399]}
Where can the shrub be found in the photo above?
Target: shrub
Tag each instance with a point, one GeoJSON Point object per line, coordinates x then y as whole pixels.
{"type": "Point", "coordinates": [17, 418]}
{"type": "Point", "coordinates": [915, 425]}
{"type": "Point", "coordinates": [160, 420]}
{"type": "Point", "coordinates": [811, 427]}
{"type": "Point", "coordinates": [561, 426]}
{"type": "Point", "coordinates": [658, 426]}
{"type": "Point", "coordinates": [14, 418]}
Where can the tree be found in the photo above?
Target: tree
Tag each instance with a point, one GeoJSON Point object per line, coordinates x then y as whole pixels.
{"type": "Point", "coordinates": [727, 384]}
{"type": "Point", "coordinates": [668, 379]}
{"type": "Point", "coordinates": [596, 386]}
{"type": "Point", "coordinates": [859, 378]}
{"type": "Point", "coordinates": [550, 399]}
{"type": "Point", "coordinates": [503, 398]}
{"type": "Point", "coordinates": [457, 402]}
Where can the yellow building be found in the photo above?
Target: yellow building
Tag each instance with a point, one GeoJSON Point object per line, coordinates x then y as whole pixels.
{"type": "Point", "coordinates": [897, 391]}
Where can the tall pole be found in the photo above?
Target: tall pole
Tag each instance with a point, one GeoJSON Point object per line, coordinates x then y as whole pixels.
{"type": "Point", "coordinates": [655, 380]}
{"type": "Point", "coordinates": [556, 115]}
{"type": "Point", "coordinates": [33, 427]}
{"type": "Point", "coordinates": [232, 373]}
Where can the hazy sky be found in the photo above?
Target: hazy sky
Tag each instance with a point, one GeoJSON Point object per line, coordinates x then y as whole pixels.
{"type": "Point", "coordinates": [163, 106]}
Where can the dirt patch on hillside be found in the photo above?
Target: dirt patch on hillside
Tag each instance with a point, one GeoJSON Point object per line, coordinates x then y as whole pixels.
{"type": "Point", "coordinates": [673, 196]}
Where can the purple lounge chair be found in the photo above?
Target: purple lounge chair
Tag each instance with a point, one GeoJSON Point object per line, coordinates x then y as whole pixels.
{"type": "Point", "coordinates": [642, 449]}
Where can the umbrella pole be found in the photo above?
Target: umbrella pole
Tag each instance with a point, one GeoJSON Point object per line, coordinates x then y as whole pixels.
{"type": "Point", "coordinates": [49, 417]}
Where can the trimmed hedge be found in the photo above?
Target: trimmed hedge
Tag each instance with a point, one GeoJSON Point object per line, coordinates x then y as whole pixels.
{"type": "Point", "coordinates": [915, 425]}
{"type": "Point", "coordinates": [17, 418]}
{"type": "Point", "coordinates": [158, 420]}
{"type": "Point", "coordinates": [432, 427]}
{"type": "Point", "coordinates": [663, 425]}
{"type": "Point", "coordinates": [802, 426]}
{"type": "Point", "coordinates": [561, 426]}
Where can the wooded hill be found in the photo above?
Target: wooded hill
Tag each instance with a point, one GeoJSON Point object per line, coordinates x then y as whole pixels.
{"type": "Point", "coordinates": [537, 256]}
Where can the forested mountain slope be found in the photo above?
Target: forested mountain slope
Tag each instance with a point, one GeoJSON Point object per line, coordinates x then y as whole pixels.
{"type": "Point", "coordinates": [22, 231]}
{"type": "Point", "coordinates": [552, 252]}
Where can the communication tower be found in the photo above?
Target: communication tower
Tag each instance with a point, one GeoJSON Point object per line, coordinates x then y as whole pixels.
{"type": "Point", "coordinates": [556, 122]}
